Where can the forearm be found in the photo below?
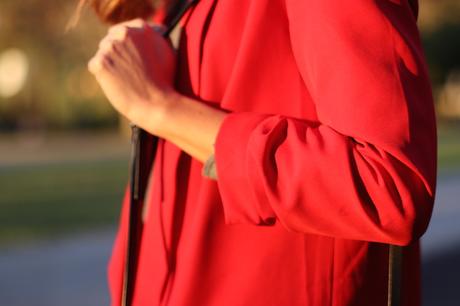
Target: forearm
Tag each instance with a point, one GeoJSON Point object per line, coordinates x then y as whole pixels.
{"type": "Point", "coordinates": [191, 125]}
{"type": "Point", "coordinates": [135, 67]}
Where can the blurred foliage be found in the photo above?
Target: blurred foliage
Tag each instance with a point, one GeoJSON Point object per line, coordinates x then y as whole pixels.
{"type": "Point", "coordinates": [442, 48]}
{"type": "Point", "coordinates": [59, 92]}
{"type": "Point", "coordinates": [440, 27]}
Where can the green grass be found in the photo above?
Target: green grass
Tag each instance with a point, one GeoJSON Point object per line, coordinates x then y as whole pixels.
{"type": "Point", "coordinates": [47, 199]}
{"type": "Point", "coordinates": [57, 198]}
{"type": "Point", "coordinates": [449, 148]}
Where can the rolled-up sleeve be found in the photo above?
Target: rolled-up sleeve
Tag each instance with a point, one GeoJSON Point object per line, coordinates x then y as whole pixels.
{"type": "Point", "coordinates": [367, 170]}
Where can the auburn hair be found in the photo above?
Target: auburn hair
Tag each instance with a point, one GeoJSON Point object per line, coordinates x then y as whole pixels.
{"type": "Point", "coordinates": [115, 11]}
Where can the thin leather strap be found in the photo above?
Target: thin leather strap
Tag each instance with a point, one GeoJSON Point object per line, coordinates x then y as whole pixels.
{"type": "Point", "coordinates": [141, 141]}
{"type": "Point", "coordinates": [394, 275]}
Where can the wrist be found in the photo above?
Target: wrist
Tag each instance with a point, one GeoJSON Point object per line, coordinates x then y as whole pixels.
{"type": "Point", "coordinates": [156, 116]}
{"type": "Point", "coordinates": [186, 122]}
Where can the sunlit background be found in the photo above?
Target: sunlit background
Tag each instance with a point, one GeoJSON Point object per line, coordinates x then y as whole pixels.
{"type": "Point", "coordinates": [64, 157]}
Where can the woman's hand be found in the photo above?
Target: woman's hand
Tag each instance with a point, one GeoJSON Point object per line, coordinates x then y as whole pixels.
{"type": "Point", "coordinates": [135, 68]}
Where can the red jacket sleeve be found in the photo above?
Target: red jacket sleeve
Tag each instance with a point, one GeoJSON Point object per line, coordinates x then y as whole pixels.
{"type": "Point", "coordinates": [367, 170]}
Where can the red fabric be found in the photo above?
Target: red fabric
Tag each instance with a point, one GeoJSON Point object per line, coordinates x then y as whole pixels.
{"type": "Point", "coordinates": [328, 155]}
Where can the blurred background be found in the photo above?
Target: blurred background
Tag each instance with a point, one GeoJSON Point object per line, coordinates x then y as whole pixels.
{"type": "Point", "coordinates": [64, 157]}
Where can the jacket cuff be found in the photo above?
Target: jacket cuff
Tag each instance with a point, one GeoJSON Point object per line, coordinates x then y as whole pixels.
{"type": "Point", "coordinates": [242, 198]}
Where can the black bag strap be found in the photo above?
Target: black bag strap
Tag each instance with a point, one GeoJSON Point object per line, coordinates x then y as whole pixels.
{"type": "Point", "coordinates": [141, 142]}
{"type": "Point", "coordinates": [395, 254]}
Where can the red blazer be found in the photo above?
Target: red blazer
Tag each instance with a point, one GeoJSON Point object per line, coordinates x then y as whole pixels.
{"type": "Point", "coordinates": [329, 154]}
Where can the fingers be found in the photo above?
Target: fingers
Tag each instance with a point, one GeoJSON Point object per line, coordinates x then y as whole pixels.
{"type": "Point", "coordinates": [121, 30]}
{"type": "Point", "coordinates": [107, 57]}
{"type": "Point", "coordinates": [109, 52]}
{"type": "Point", "coordinates": [110, 45]}
{"type": "Point", "coordinates": [134, 23]}
{"type": "Point", "coordinates": [99, 62]}
{"type": "Point", "coordinates": [118, 42]}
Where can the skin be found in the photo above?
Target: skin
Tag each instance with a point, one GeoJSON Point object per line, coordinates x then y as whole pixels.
{"type": "Point", "coordinates": [135, 68]}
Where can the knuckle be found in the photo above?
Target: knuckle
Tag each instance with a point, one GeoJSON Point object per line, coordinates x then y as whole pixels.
{"type": "Point", "coordinates": [102, 43]}
{"type": "Point", "coordinates": [113, 28]}
{"type": "Point", "coordinates": [124, 32]}
{"type": "Point", "coordinates": [120, 31]}
{"type": "Point", "coordinates": [100, 61]}
{"type": "Point", "coordinates": [110, 45]}
{"type": "Point", "coordinates": [139, 22]}
{"type": "Point", "coordinates": [93, 65]}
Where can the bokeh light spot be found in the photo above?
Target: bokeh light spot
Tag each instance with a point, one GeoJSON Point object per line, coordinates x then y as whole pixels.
{"type": "Point", "coordinates": [14, 68]}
